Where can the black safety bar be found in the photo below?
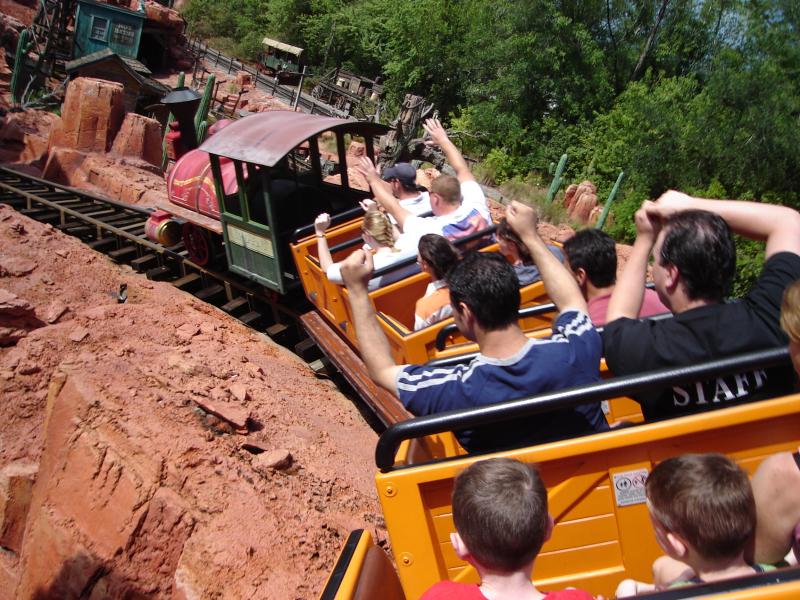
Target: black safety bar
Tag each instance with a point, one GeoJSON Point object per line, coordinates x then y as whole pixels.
{"type": "Point", "coordinates": [341, 566]}
{"type": "Point", "coordinates": [757, 580]}
{"type": "Point", "coordinates": [531, 311]}
{"type": "Point", "coordinates": [336, 219]}
{"type": "Point", "coordinates": [595, 392]}
{"type": "Point", "coordinates": [458, 243]}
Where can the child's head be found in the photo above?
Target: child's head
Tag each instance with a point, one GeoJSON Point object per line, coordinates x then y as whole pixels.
{"type": "Point", "coordinates": [511, 245]}
{"type": "Point", "coordinates": [706, 501]}
{"type": "Point", "coordinates": [500, 513]}
{"type": "Point", "coordinates": [438, 253]}
{"type": "Point", "coordinates": [379, 227]}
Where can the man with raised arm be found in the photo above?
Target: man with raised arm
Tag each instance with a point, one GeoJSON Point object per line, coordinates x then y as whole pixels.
{"type": "Point", "coordinates": [458, 203]}
{"type": "Point", "coordinates": [694, 263]}
{"type": "Point", "coordinates": [484, 293]}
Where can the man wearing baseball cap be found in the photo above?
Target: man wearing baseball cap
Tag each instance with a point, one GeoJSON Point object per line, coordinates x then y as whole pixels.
{"type": "Point", "coordinates": [402, 177]}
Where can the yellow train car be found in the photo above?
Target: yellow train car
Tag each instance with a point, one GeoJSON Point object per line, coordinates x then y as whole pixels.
{"type": "Point", "coordinates": [595, 485]}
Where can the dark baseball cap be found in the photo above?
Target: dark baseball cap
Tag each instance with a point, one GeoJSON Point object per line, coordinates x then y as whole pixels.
{"type": "Point", "coordinates": [405, 172]}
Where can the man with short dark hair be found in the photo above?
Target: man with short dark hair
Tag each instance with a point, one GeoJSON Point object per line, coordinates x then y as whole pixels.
{"type": "Point", "coordinates": [484, 293]}
{"type": "Point", "coordinates": [402, 180]}
{"type": "Point", "coordinates": [591, 256]}
{"type": "Point", "coordinates": [458, 203]}
{"type": "Point", "coordinates": [694, 265]}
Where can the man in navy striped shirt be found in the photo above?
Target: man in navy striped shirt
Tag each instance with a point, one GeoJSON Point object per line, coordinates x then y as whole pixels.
{"type": "Point", "coordinates": [484, 292]}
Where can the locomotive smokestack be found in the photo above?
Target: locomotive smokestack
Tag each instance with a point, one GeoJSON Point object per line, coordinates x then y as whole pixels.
{"type": "Point", "coordinates": [183, 103]}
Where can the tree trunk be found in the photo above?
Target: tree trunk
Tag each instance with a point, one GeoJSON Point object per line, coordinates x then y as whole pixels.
{"type": "Point", "coordinates": [649, 43]}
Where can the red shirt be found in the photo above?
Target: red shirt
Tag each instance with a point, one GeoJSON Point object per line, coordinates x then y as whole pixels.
{"type": "Point", "coordinates": [651, 305]}
{"type": "Point", "coordinates": [450, 590]}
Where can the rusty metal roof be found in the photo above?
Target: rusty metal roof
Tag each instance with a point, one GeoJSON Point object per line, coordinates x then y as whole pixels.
{"type": "Point", "coordinates": [282, 46]}
{"type": "Point", "coordinates": [265, 138]}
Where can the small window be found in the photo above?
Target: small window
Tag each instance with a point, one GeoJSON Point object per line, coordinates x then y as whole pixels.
{"type": "Point", "coordinates": [99, 29]}
{"type": "Point", "coordinates": [123, 34]}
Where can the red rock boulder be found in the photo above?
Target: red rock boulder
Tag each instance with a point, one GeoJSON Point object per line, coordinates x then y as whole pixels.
{"type": "Point", "coordinates": [24, 135]}
{"type": "Point", "coordinates": [91, 115]}
{"type": "Point", "coordinates": [583, 207]}
{"type": "Point", "coordinates": [139, 137]}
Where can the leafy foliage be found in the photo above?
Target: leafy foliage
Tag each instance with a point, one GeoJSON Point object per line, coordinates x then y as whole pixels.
{"type": "Point", "coordinates": [700, 95]}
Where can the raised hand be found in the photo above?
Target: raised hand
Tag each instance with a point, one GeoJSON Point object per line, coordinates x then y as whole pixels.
{"type": "Point", "coordinates": [321, 223]}
{"type": "Point", "coordinates": [522, 218]}
{"type": "Point", "coordinates": [356, 270]}
{"type": "Point", "coordinates": [436, 132]}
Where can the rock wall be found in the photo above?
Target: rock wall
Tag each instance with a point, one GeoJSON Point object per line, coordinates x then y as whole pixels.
{"type": "Point", "coordinates": [91, 116]}
{"type": "Point", "coordinates": [139, 137]}
{"type": "Point", "coordinates": [170, 451]}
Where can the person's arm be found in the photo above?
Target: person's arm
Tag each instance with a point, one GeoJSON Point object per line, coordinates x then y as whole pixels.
{"type": "Point", "coordinates": [560, 285]}
{"type": "Point", "coordinates": [626, 299]}
{"type": "Point", "coordinates": [375, 352]}
{"type": "Point", "coordinates": [453, 155]}
{"type": "Point", "coordinates": [381, 191]}
{"type": "Point", "coordinates": [321, 224]}
{"type": "Point", "coordinates": [776, 489]}
{"type": "Point", "coordinates": [778, 225]}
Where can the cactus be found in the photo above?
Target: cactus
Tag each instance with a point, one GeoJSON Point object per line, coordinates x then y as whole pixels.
{"type": "Point", "coordinates": [551, 193]}
{"type": "Point", "coordinates": [205, 103]}
{"type": "Point", "coordinates": [604, 215]}
{"type": "Point", "coordinates": [181, 79]}
{"type": "Point", "coordinates": [23, 45]}
{"type": "Point", "coordinates": [201, 131]}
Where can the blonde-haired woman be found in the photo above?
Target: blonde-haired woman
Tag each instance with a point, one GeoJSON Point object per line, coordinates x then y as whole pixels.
{"type": "Point", "coordinates": [379, 237]}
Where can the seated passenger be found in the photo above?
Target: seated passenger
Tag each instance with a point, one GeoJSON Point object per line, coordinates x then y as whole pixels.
{"type": "Point", "coordinates": [485, 298]}
{"type": "Point", "coordinates": [704, 515]}
{"type": "Point", "coordinates": [501, 520]}
{"type": "Point", "coordinates": [436, 257]}
{"type": "Point", "coordinates": [517, 254]}
{"type": "Point", "coordinates": [776, 482]}
{"type": "Point", "coordinates": [458, 203]}
{"type": "Point", "coordinates": [402, 180]}
{"type": "Point", "coordinates": [377, 234]}
{"type": "Point", "coordinates": [591, 255]}
{"type": "Point", "coordinates": [694, 264]}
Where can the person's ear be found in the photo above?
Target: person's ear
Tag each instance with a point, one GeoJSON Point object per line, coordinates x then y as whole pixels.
{"type": "Point", "coordinates": [672, 277]}
{"type": "Point", "coordinates": [678, 546]}
{"type": "Point", "coordinates": [549, 530]}
{"type": "Point", "coordinates": [580, 276]}
{"type": "Point", "coordinates": [459, 546]}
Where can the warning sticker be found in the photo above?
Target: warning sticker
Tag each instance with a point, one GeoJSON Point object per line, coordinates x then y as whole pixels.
{"type": "Point", "coordinates": [629, 487]}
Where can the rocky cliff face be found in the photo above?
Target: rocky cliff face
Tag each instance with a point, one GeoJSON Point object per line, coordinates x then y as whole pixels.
{"type": "Point", "coordinates": [157, 448]}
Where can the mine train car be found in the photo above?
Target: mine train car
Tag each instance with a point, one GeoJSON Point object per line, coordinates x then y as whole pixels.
{"type": "Point", "coordinates": [277, 56]}
{"type": "Point", "coordinates": [258, 183]}
{"type": "Point", "coordinates": [603, 532]}
{"type": "Point", "coordinates": [269, 173]}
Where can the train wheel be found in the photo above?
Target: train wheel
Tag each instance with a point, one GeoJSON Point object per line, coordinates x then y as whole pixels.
{"type": "Point", "coordinates": [197, 243]}
{"type": "Point", "coordinates": [316, 91]}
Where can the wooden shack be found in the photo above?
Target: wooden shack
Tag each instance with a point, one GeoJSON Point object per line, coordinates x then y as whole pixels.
{"type": "Point", "coordinates": [100, 26]}
{"type": "Point", "coordinates": [140, 89]}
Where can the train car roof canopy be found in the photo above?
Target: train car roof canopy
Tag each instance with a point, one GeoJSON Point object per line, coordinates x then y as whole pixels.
{"type": "Point", "coordinates": [281, 46]}
{"type": "Point", "coordinates": [265, 138]}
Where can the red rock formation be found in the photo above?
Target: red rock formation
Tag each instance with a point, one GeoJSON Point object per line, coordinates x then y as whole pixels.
{"type": "Point", "coordinates": [140, 138]}
{"type": "Point", "coordinates": [583, 207]}
{"type": "Point", "coordinates": [64, 166]}
{"type": "Point", "coordinates": [163, 16]}
{"type": "Point", "coordinates": [569, 196]}
{"type": "Point", "coordinates": [91, 116]}
{"type": "Point", "coordinates": [24, 135]}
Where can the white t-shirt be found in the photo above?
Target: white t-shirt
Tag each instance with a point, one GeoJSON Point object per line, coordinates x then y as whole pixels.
{"type": "Point", "coordinates": [472, 216]}
{"type": "Point", "coordinates": [419, 205]}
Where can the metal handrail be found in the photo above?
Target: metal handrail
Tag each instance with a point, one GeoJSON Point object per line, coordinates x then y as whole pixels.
{"type": "Point", "coordinates": [629, 385]}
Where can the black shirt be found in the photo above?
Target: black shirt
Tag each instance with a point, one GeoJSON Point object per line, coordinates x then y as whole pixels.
{"type": "Point", "coordinates": [707, 333]}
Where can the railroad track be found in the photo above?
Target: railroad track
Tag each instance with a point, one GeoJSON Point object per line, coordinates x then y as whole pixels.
{"type": "Point", "coordinates": [117, 230]}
